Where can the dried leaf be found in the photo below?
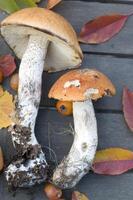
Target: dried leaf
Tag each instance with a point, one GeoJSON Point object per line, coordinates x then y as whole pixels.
{"type": "Point", "coordinates": [6, 109]}
{"type": "Point", "coordinates": [102, 28]}
{"type": "Point", "coordinates": [52, 3]}
{"type": "Point", "coordinates": [8, 6]}
{"type": "Point", "coordinates": [79, 196]}
{"type": "Point", "coordinates": [113, 161]}
{"type": "Point", "coordinates": [128, 107]}
{"type": "Point", "coordinates": [7, 64]}
{"type": "Point", "coordinates": [1, 91]}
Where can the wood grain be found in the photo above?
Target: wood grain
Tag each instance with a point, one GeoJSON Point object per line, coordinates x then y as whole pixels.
{"type": "Point", "coordinates": [119, 70]}
{"type": "Point", "coordinates": [53, 130]}
{"type": "Point", "coordinates": [78, 13]}
{"type": "Point", "coordinates": [115, 59]}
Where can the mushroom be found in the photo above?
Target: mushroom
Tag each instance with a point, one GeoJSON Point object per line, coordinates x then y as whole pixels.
{"type": "Point", "coordinates": [80, 87]}
{"type": "Point", "coordinates": [42, 39]}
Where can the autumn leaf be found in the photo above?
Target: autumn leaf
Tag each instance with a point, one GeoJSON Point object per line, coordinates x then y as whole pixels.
{"type": "Point", "coordinates": [79, 196]}
{"type": "Point", "coordinates": [102, 28]}
{"type": "Point", "coordinates": [11, 6]}
{"type": "Point", "coordinates": [128, 107]}
{"type": "Point", "coordinates": [7, 64]}
{"type": "Point", "coordinates": [113, 161]}
{"type": "Point", "coordinates": [52, 3]}
{"type": "Point", "coordinates": [1, 91]}
{"type": "Point", "coordinates": [6, 109]}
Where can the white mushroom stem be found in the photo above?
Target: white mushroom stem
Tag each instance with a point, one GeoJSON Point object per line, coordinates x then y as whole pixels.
{"type": "Point", "coordinates": [30, 81]}
{"type": "Point", "coordinates": [30, 168]}
{"type": "Point", "coordinates": [81, 155]}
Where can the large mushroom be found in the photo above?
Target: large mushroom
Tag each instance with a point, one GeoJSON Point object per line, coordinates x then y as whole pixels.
{"type": "Point", "coordinates": [42, 39]}
{"type": "Point", "coordinates": [80, 87]}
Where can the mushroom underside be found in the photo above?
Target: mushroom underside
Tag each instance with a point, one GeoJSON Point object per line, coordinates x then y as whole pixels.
{"type": "Point", "coordinates": [60, 55]}
{"type": "Point", "coordinates": [79, 160]}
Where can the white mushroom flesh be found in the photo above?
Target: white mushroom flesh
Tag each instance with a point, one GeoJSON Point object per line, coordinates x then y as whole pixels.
{"type": "Point", "coordinates": [81, 155]}
{"type": "Point", "coordinates": [75, 83]}
{"type": "Point", "coordinates": [31, 166]}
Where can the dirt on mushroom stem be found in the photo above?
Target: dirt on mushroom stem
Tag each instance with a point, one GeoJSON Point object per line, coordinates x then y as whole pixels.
{"type": "Point", "coordinates": [20, 29]}
{"type": "Point", "coordinates": [80, 158]}
{"type": "Point", "coordinates": [30, 167]}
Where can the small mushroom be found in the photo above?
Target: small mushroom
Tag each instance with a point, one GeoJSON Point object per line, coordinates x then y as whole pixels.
{"type": "Point", "coordinates": [80, 87]}
{"type": "Point", "coordinates": [42, 39]}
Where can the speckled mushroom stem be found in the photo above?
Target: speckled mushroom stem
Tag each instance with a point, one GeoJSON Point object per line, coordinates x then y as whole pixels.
{"type": "Point", "coordinates": [30, 166]}
{"type": "Point", "coordinates": [81, 155]}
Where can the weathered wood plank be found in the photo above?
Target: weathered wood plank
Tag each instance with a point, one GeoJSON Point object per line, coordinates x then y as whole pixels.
{"type": "Point", "coordinates": [111, 127]}
{"type": "Point", "coordinates": [97, 61]}
{"type": "Point", "coordinates": [107, 187]}
{"type": "Point", "coordinates": [107, 64]}
{"type": "Point", "coordinates": [107, 1]}
{"type": "Point", "coordinates": [52, 128]}
{"type": "Point", "coordinates": [78, 13]}
{"type": "Point", "coordinates": [119, 70]}
{"type": "Point", "coordinates": [117, 188]}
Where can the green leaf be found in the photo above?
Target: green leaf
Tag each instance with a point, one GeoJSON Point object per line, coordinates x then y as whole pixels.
{"type": "Point", "coordinates": [36, 1]}
{"type": "Point", "coordinates": [9, 6]}
{"type": "Point", "coordinates": [25, 3]}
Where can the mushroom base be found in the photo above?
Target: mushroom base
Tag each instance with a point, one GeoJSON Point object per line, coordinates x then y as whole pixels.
{"type": "Point", "coordinates": [81, 155]}
{"type": "Point", "coordinates": [27, 170]}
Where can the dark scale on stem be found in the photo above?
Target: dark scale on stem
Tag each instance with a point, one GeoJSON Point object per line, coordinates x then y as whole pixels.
{"type": "Point", "coordinates": [30, 166]}
{"type": "Point", "coordinates": [21, 136]}
{"type": "Point", "coordinates": [34, 173]}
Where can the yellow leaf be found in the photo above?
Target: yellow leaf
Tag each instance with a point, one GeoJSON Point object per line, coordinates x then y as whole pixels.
{"type": "Point", "coordinates": [1, 91]}
{"type": "Point", "coordinates": [113, 154]}
{"type": "Point", "coordinates": [113, 161]}
{"type": "Point", "coordinates": [52, 3]}
{"type": "Point", "coordinates": [6, 109]}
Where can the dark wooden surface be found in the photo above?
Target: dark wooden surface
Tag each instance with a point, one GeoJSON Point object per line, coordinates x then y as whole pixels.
{"type": "Point", "coordinates": [115, 59]}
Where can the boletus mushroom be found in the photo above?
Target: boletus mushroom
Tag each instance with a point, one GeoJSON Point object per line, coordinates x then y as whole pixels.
{"type": "Point", "coordinates": [80, 87]}
{"type": "Point", "coordinates": [42, 39]}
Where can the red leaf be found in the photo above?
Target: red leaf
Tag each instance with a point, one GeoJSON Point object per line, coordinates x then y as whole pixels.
{"type": "Point", "coordinates": [102, 28]}
{"type": "Point", "coordinates": [128, 107]}
{"type": "Point", "coordinates": [113, 161]}
{"type": "Point", "coordinates": [7, 64]}
{"type": "Point", "coordinates": [52, 3]}
{"type": "Point", "coordinates": [113, 167]}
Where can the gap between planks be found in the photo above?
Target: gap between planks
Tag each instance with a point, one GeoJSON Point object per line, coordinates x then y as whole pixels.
{"type": "Point", "coordinates": [107, 1]}
{"type": "Point", "coordinates": [105, 111]}
{"type": "Point", "coordinates": [116, 55]}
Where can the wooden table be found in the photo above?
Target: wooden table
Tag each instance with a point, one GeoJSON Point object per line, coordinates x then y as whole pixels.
{"type": "Point", "coordinates": [115, 59]}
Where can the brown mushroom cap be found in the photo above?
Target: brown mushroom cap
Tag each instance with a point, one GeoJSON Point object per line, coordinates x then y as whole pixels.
{"type": "Point", "coordinates": [80, 85]}
{"type": "Point", "coordinates": [64, 50]}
